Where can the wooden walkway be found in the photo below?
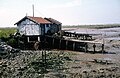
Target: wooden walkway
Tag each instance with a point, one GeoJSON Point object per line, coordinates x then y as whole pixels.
{"type": "Point", "coordinates": [69, 41]}
{"type": "Point", "coordinates": [70, 44]}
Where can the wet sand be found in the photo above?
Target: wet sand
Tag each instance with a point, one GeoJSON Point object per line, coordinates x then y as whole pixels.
{"type": "Point", "coordinates": [111, 37]}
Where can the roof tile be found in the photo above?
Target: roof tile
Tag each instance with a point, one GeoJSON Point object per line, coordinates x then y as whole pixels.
{"type": "Point", "coordinates": [53, 20]}
{"type": "Point", "coordinates": [39, 20]}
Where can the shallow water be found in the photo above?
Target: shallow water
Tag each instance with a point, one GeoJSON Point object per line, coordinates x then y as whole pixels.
{"type": "Point", "coordinates": [114, 38]}
{"type": "Point", "coordinates": [108, 29]}
{"type": "Point", "coordinates": [108, 33]}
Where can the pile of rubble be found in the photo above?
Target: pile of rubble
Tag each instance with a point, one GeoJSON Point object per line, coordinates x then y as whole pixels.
{"type": "Point", "coordinates": [6, 50]}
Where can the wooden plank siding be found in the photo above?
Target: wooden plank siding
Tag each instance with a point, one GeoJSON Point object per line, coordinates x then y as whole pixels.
{"type": "Point", "coordinates": [37, 26]}
{"type": "Point", "coordinates": [27, 27]}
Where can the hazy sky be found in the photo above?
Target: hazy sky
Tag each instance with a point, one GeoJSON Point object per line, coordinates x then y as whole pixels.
{"type": "Point", "coordinates": [69, 12]}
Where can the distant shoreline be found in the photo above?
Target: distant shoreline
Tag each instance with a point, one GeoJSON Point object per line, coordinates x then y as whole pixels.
{"type": "Point", "coordinates": [7, 27]}
{"type": "Point", "coordinates": [100, 26]}
{"type": "Point", "coordinates": [92, 26]}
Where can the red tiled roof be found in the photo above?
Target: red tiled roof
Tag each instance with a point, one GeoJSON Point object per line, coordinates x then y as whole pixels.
{"type": "Point", "coordinates": [39, 20]}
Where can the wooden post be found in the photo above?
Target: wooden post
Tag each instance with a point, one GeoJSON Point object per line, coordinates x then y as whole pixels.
{"type": "Point", "coordinates": [44, 43]}
{"type": "Point", "coordinates": [38, 38]}
{"type": "Point", "coordinates": [73, 46]}
{"type": "Point", "coordinates": [70, 35]}
{"type": "Point", "coordinates": [94, 46]}
{"type": "Point", "coordinates": [60, 44]}
{"type": "Point", "coordinates": [83, 37]}
{"type": "Point", "coordinates": [103, 43]}
{"type": "Point", "coordinates": [66, 44]}
{"type": "Point", "coordinates": [45, 57]}
{"type": "Point", "coordinates": [28, 39]}
{"type": "Point", "coordinates": [86, 47]}
{"type": "Point", "coordinates": [102, 48]}
{"type": "Point", "coordinates": [42, 57]}
{"type": "Point", "coordinates": [53, 43]}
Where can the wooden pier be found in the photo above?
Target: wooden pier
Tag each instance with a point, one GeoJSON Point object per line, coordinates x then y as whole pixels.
{"type": "Point", "coordinates": [68, 44]}
{"type": "Point", "coordinates": [78, 35]}
{"type": "Point", "coordinates": [69, 41]}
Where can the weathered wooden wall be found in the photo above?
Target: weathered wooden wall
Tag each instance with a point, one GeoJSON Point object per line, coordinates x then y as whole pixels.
{"type": "Point", "coordinates": [31, 28]}
{"type": "Point", "coordinates": [28, 27]}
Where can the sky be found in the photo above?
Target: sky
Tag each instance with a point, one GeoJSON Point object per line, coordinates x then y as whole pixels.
{"type": "Point", "coordinates": [69, 12]}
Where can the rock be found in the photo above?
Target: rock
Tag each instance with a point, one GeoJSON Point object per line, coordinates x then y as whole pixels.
{"type": "Point", "coordinates": [22, 68]}
{"type": "Point", "coordinates": [1, 62]}
{"type": "Point", "coordinates": [4, 65]}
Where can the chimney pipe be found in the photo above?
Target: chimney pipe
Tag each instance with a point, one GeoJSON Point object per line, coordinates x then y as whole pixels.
{"type": "Point", "coordinates": [33, 9]}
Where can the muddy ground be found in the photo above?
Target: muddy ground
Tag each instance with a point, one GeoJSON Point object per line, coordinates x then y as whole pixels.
{"type": "Point", "coordinates": [65, 64]}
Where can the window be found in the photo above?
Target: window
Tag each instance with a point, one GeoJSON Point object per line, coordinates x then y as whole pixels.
{"type": "Point", "coordinates": [47, 25]}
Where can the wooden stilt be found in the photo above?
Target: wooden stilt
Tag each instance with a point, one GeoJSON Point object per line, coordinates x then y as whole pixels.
{"type": "Point", "coordinates": [28, 39]}
{"type": "Point", "coordinates": [38, 38]}
{"type": "Point", "coordinates": [94, 46]}
{"type": "Point", "coordinates": [53, 43]}
{"type": "Point", "coordinates": [66, 44]}
{"type": "Point", "coordinates": [86, 47]}
{"type": "Point", "coordinates": [45, 57]}
{"type": "Point", "coordinates": [42, 56]}
{"type": "Point", "coordinates": [73, 46]}
{"type": "Point", "coordinates": [83, 37]}
{"type": "Point", "coordinates": [60, 44]}
{"type": "Point", "coordinates": [102, 48]}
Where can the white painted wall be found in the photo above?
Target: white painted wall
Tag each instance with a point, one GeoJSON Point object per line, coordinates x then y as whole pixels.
{"type": "Point", "coordinates": [27, 27]}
